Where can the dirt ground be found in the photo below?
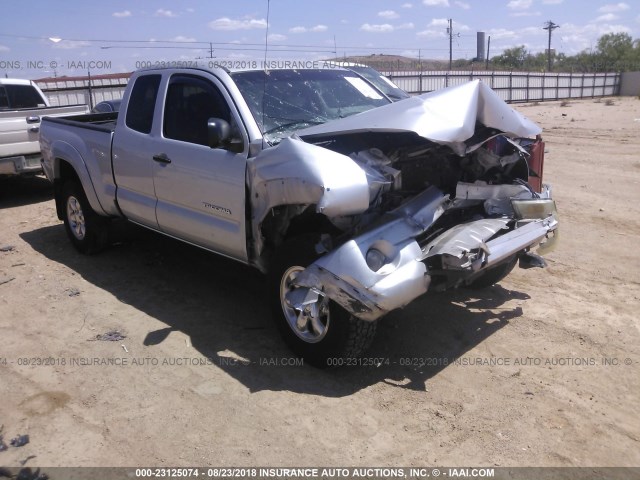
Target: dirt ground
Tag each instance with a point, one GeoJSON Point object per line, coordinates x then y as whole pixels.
{"type": "Point", "coordinates": [541, 370]}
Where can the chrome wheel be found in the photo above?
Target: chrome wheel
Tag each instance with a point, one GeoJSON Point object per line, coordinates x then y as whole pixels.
{"type": "Point", "coordinates": [308, 315]}
{"type": "Point", "coordinates": [77, 224]}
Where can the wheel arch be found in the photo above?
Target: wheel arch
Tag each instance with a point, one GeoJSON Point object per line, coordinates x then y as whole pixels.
{"type": "Point", "coordinates": [286, 222]}
{"type": "Point", "coordinates": [68, 164]}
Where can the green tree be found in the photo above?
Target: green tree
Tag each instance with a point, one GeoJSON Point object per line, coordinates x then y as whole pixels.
{"type": "Point", "coordinates": [511, 58]}
{"type": "Point", "coordinates": [617, 51]}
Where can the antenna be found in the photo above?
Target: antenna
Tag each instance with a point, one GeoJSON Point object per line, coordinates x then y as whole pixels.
{"type": "Point", "coordinates": [264, 80]}
{"type": "Point", "coordinates": [266, 35]}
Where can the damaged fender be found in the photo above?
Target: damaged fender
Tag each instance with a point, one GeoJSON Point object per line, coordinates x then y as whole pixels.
{"type": "Point", "coordinates": [298, 173]}
{"type": "Point", "coordinates": [346, 277]}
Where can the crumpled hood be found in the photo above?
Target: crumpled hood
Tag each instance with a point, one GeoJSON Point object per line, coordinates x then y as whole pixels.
{"type": "Point", "coordinates": [446, 116]}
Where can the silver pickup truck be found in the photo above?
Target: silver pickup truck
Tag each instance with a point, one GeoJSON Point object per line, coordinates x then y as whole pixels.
{"type": "Point", "coordinates": [22, 105]}
{"type": "Point", "coordinates": [351, 204]}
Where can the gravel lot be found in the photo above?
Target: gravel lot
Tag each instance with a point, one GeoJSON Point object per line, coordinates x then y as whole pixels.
{"type": "Point", "coordinates": [541, 370]}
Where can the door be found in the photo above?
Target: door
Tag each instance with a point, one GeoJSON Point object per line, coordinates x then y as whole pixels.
{"type": "Point", "coordinates": [132, 162]}
{"type": "Point", "coordinates": [200, 190]}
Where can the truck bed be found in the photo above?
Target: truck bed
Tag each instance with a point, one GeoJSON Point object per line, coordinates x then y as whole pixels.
{"type": "Point", "coordinates": [103, 122]}
{"type": "Point", "coordinates": [84, 141]}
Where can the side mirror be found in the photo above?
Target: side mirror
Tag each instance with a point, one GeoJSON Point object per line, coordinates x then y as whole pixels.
{"type": "Point", "coordinates": [218, 132]}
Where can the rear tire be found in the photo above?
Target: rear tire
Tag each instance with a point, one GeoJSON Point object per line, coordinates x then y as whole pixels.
{"type": "Point", "coordinates": [323, 334]}
{"type": "Point", "coordinates": [88, 231]}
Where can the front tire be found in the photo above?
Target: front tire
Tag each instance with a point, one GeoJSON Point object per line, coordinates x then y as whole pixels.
{"type": "Point", "coordinates": [493, 275]}
{"type": "Point", "coordinates": [87, 230]}
{"type": "Point", "coordinates": [322, 332]}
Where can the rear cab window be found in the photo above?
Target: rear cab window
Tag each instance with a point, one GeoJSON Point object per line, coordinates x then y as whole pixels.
{"type": "Point", "coordinates": [20, 96]}
{"type": "Point", "coordinates": [142, 103]}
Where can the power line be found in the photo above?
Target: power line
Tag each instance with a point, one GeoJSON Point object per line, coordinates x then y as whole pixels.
{"type": "Point", "coordinates": [207, 45]}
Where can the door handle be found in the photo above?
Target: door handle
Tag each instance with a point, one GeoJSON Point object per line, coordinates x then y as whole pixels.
{"type": "Point", "coordinates": [162, 158]}
{"type": "Point", "coordinates": [34, 119]}
{"type": "Point", "coordinates": [34, 129]}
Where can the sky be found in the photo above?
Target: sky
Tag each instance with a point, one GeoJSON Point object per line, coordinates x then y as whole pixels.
{"type": "Point", "coordinates": [42, 38]}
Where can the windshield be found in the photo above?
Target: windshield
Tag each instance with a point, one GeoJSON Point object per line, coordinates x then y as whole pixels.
{"type": "Point", "coordinates": [283, 101]}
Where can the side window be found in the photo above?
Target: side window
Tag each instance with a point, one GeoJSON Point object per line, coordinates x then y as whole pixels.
{"type": "Point", "coordinates": [23, 96]}
{"type": "Point", "coordinates": [190, 103]}
{"type": "Point", "coordinates": [4, 100]}
{"type": "Point", "coordinates": [142, 103]}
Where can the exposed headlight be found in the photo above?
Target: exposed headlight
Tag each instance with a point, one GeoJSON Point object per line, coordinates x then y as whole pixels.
{"type": "Point", "coordinates": [375, 259]}
{"type": "Point", "coordinates": [536, 208]}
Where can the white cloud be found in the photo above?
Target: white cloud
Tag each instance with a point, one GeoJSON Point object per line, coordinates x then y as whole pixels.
{"type": "Point", "coordinates": [552, 2]}
{"type": "Point", "coordinates": [276, 37]}
{"type": "Point", "coordinates": [607, 17]}
{"type": "Point", "coordinates": [123, 14]}
{"type": "Point", "coordinates": [384, 28]}
{"type": "Point", "coordinates": [525, 14]}
{"type": "Point", "coordinates": [406, 26]}
{"type": "Point", "coordinates": [316, 29]}
{"type": "Point", "coordinates": [388, 14]}
{"type": "Point", "coordinates": [226, 23]}
{"type": "Point", "coordinates": [614, 7]}
{"type": "Point", "coordinates": [71, 44]}
{"type": "Point", "coordinates": [190, 10]}
{"type": "Point", "coordinates": [463, 5]}
{"type": "Point", "coordinates": [519, 4]}
{"type": "Point", "coordinates": [436, 3]}
{"type": "Point", "coordinates": [439, 22]}
{"type": "Point", "coordinates": [180, 38]}
{"type": "Point", "coordinates": [4, 48]}
{"type": "Point", "coordinates": [431, 33]}
{"type": "Point", "coordinates": [501, 33]}
{"type": "Point", "coordinates": [161, 12]}
{"type": "Point", "coordinates": [407, 5]}
{"type": "Point", "coordinates": [444, 23]}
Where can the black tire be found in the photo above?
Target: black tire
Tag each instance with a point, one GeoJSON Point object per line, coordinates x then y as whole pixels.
{"type": "Point", "coordinates": [493, 275]}
{"type": "Point", "coordinates": [344, 336]}
{"type": "Point", "coordinates": [88, 231]}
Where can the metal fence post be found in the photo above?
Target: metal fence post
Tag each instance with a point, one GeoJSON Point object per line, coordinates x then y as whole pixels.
{"type": "Point", "coordinates": [510, 86]}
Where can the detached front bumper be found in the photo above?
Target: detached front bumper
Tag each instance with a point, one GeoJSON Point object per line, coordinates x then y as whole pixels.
{"type": "Point", "coordinates": [346, 277]}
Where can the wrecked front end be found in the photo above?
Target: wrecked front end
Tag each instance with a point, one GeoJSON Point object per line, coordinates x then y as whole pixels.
{"type": "Point", "coordinates": [441, 192]}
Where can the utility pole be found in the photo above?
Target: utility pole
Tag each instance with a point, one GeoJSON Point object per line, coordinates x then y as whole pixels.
{"type": "Point", "coordinates": [450, 32]}
{"type": "Point", "coordinates": [488, 49]}
{"type": "Point", "coordinates": [550, 26]}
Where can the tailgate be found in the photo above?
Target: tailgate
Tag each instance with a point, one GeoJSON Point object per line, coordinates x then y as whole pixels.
{"type": "Point", "coordinates": [19, 129]}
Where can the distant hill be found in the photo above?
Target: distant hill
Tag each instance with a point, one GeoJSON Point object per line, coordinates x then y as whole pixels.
{"type": "Point", "coordinates": [396, 63]}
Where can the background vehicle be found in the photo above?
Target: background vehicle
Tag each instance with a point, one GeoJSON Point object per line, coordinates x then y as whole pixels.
{"type": "Point", "coordinates": [352, 204]}
{"type": "Point", "coordinates": [107, 106]}
{"type": "Point", "coordinates": [22, 105]}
